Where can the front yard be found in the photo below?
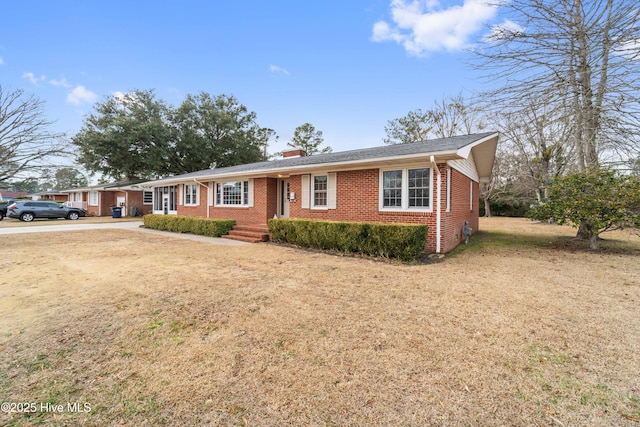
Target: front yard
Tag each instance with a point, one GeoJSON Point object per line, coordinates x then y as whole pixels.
{"type": "Point", "coordinates": [523, 327]}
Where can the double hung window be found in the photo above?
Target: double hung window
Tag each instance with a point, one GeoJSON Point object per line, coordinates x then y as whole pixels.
{"type": "Point", "coordinates": [232, 193]}
{"type": "Point", "coordinates": [191, 194]}
{"type": "Point", "coordinates": [405, 189]}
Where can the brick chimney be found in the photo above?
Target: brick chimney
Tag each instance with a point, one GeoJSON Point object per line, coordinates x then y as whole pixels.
{"type": "Point", "coordinates": [294, 153]}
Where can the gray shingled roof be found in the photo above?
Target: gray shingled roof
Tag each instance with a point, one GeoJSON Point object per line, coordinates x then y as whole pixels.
{"type": "Point", "coordinates": [427, 147]}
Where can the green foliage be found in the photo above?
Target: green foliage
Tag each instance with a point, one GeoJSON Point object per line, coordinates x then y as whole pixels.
{"type": "Point", "coordinates": [595, 199]}
{"type": "Point", "coordinates": [186, 224]}
{"type": "Point", "coordinates": [136, 135]}
{"type": "Point", "coordinates": [403, 241]}
{"type": "Point", "coordinates": [307, 138]}
{"type": "Point", "coordinates": [127, 136]}
{"type": "Point", "coordinates": [416, 126]}
{"type": "Point", "coordinates": [512, 208]}
{"type": "Point", "coordinates": [216, 130]}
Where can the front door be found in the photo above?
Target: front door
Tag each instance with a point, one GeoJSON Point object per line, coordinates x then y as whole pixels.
{"type": "Point", "coordinates": [120, 201]}
{"type": "Point", "coordinates": [165, 203]}
{"type": "Point", "coordinates": [283, 198]}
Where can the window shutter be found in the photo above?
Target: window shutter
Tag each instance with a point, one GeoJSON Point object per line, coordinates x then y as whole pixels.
{"type": "Point", "coordinates": [180, 191]}
{"type": "Point", "coordinates": [306, 185]}
{"type": "Point", "coordinates": [331, 190]}
{"type": "Point", "coordinates": [250, 190]}
{"type": "Point", "coordinates": [210, 186]}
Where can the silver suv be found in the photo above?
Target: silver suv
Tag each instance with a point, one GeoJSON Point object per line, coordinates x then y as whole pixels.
{"type": "Point", "coordinates": [28, 211]}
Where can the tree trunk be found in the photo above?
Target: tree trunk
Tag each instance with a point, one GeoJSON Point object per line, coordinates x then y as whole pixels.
{"type": "Point", "coordinates": [593, 241]}
{"type": "Point", "coordinates": [583, 231]}
{"type": "Point", "coordinates": [487, 208]}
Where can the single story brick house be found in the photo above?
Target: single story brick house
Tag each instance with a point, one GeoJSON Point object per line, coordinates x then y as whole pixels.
{"type": "Point", "coordinates": [434, 182]}
{"type": "Point", "coordinates": [51, 195]}
{"type": "Point", "coordinates": [98, 200]}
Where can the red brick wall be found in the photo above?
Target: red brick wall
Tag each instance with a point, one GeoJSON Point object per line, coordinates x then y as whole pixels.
{"type": "Point", "coordinates": [357, 199]}
{"type": "Point", "coordinates": [265, 200]}
{"type": "Point", "coordinates": [461, 210]}
{"type": "Point", "coordinates": [107, 200]}
{"type": "Point", "coordinates": [198, 210]}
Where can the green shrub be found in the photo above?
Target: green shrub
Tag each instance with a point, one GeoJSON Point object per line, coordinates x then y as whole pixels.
{"type": "Point", "coordinates": [402, 241]}
{"type": "Point", "coordinates": [188, 224]}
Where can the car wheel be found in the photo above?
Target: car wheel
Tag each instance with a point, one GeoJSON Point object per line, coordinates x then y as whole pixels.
{"type": "Point", "coordinates": [27, 217]}
{"type": "Point", "coordinates": [1, 217]}
{"type": "Point", "coordinates": [73, 215]}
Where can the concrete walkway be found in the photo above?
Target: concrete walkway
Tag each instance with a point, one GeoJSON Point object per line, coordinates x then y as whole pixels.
{"type": "Point", "coordinates": [125, 225]}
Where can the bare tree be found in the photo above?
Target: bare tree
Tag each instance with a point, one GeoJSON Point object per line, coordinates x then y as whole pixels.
{"type": "Point", "coordinates": [451, 116]}
{"type": "Point", "coordinates": [454, 115]}
{"type": "Point", "coordinates": [540, 142]}
{"type": "Point", "coordinates": [26, 143]}
{"type": "Point", "coordinates": [582, 53]}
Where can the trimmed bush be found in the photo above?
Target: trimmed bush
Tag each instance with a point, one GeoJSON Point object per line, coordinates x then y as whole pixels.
{"type": "Point", "coordinates": [189, 224]}
{"type": "Point", "coordinates": [402, 241]}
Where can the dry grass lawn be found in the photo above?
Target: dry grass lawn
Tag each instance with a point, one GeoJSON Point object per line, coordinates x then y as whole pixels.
{"type": "Point", "coordinates": [523, 327]}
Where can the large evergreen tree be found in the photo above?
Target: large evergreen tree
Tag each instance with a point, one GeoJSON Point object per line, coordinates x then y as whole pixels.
{"type": "Point", "coordinates": [216, 131]}
{"type": "Point", "coordinates": [127, 137]}
{"type": "Point", "coordinates": [307, 138]}
{"type": "Point", "coordinates": [138, 136]}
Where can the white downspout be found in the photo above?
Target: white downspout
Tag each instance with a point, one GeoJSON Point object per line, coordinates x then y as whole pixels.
{"type": "Point", "coordinates": [207, 187]}
{"type": "Point", "coordinates": [438, 203]}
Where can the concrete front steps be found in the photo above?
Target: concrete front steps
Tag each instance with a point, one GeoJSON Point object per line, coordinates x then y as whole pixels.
{"type": "Point", "coordinates": [249, 233]}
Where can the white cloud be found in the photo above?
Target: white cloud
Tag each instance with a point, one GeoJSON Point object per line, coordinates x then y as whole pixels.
{"type": "Point", "coordinates": [630, 50]}
{"type": "Point", "coordinates": [276, 69]}
{"type": "Point", "coordinates": [422, 26]}
{"type": "Point", "coordinates": [33, 79]}
{"type": "Point", "coordinates": [80, 95]}
{"type": "Point", "coordinates": [60, 83]}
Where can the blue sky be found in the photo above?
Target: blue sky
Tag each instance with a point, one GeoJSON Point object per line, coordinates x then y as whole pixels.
{"type": "Point", "coordinates": [347, 67]}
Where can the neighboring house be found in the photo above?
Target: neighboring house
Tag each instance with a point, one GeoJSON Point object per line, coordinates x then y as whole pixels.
{"type": "Point", "coordinates": [12, 195]}
{"type": "Point", "coordinates": [57, 196]}
{"type": "Point", "coordinates": [98, 200]}
{"type": "Point", "coordinates": [434, 182]}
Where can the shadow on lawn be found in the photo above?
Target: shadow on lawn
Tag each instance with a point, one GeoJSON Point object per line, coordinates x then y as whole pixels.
{"type": "Point", "coordinates": [492, 241]}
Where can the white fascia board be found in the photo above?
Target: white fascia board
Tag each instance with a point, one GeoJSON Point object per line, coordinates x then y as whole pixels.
{"type": "Point", "coordinates": [295, 170]}
{"type": "Point", "coordinates": [464, 151]}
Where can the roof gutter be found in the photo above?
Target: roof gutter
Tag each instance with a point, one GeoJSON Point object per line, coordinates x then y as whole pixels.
{"type": "Point", "coordinates": [333, 166]}
{"type": "Point", "coordinates": [434, 165]}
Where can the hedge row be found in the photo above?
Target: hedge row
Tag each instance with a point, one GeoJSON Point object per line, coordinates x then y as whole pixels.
{"type": "Point", "coordinates": [403, 241]}
{"type": "Point", "coordinates": [188, 224]}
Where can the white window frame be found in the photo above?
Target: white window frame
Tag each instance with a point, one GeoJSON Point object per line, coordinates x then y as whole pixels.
{"type": "Point", "coordinates": [144, 197]}
{"type": "Point", "coordinates": [404, 199]}
{"type": "Point", "coordinates": [93, 198]}
{"type": "Point", "coordinates": [314, 191]}
{"type": "Point", "coordinates": [192, 192]}
{"type": "Point", "coordinates": [308, 191]}
{"type": "Point", "coordinates": [246, 203]}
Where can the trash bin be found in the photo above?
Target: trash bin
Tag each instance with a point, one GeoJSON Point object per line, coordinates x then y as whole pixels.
{"type": "Point", "coordinates": [116, 212]}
